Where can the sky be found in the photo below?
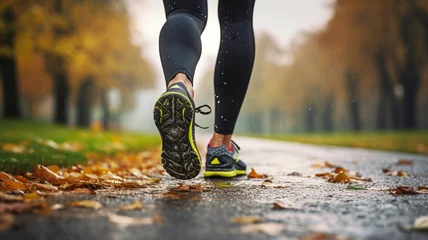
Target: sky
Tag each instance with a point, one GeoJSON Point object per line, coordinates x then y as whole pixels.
{"type": "Point", "coordinates": [283, 19]}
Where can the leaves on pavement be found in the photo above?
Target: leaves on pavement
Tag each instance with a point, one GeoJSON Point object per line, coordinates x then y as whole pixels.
{"type": "Point", "coordinates": [391, 172]}
{"type": "Point", "coordinates": [271, 229]}
{"type": "Point", "coordinates": [341, 175]}
{"type": "Point", "coordinates": [246, 219]}
{"type": "Point", "coordinates": [404, 162]}
{"type": "Point", "coordinates": [322, 236]}
{"type": "Point", "coordinates": [253, 174]}
{"type": "Point", "coordinates": [87, 204]}
{"type": "Point", "coordinates": [421, 223]}
{"type": "Point", "coordinates": [407, 190]}
{"type": "Point", "coordinates": [7, 221]}
{"type": "Point", "coordinates": [137, 205]}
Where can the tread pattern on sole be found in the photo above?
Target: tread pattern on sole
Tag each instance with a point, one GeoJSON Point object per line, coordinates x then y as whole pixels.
{"type": "Point", "coordinates": [173, 115]}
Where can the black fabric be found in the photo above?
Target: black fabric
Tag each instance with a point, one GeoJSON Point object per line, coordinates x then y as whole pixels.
{"type": "Point", "coordinates": [180, 50]}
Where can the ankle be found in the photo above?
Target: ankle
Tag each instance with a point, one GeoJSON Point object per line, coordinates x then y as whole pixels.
{"type": "Point", "coordinates": [180, 77]}
{"type": "Point", "coordinates": [219, 140]}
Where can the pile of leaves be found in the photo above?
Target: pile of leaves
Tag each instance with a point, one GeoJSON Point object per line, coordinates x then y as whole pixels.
{"type": "Point", "coordinates": [339, 174]}
{"type": "Point", "coordinates": [20, 193]}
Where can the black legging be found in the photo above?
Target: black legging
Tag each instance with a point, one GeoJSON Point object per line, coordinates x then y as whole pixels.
{"type": "Point", "coordinates": [180, 50]}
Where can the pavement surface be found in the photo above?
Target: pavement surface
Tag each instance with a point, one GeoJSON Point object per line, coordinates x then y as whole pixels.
{"type": "Point", "coordinates": [315, 205]}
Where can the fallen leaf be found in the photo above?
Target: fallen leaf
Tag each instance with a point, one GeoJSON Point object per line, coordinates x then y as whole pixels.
{"type": "Point", "coordinates": [7, 221]}
{"type": "Point", "coordinates": [423, 187]}
{"type": "Point", "coordinates": [329, 165]}
{"type": "Point", "coordinates": [321, 236]}
{"type": "Point", "coordinates": [296, 174]}
{"type": "Point", "coordinates": [271, 229]}
{"type": "Point", "coordinates": [253, 174]}
{"type": "Point", "coordinates": [317, 165]}
{"type": "Point", "coordinates": [124, 221]}
{"type": "Point", "coordinates": [45, 187]}
{"type": "Point", "coordinates": [266, 183]}
{"type": "Point", "coordinates": [285, 204]}
{"type": "Point", "coordinates": [54, 168]}
{"type": "Point", "coordinates": [10, 198]}
{"type": "Point", "coordinates": [342, 177]}
{"type": "Point", "coordinates": [82, 191]}
{"type": "Point", "coordinates": [87, 204]}
{"type": "Point", "coordinates": [401, 174]}
{"type": "Point", "coordinates": [404, 162]}
{"type": "Point", "coordinates": [32, 196]}
{"type": "Point", "coordinates": [57, 206]}
{"type": "Point", "coordinates": [340, 169]}
{"type": "Point", "coordinates": [47, 175]}
{"type": "Point", "coordinates": [18, 207]}
{"type": "Point", "coordinates": [188, 188]}
{"type": "Point", "coordinates": [379, 188]}
{"type": "Point", "coordinates": [403, 190]}
{"type": "Point", "coordinates": [137, 205]}
{"type": "Point", "coordinates": [11, 183]}
{"type": "Point", "coordinates": [324, 175]}
{"type": "Point", "coordinates": [246, 219]}
{"type": "Point", "coordinates": [182, 187]}
{"type": "Point", "coordinates": [156, 218]}
{"type": "Point", "coordinates": [421, 223]}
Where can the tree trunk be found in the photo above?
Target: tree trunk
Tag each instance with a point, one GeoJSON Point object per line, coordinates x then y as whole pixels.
{"type": "Point", "coordinates": [105, 109]}
{"type": "Point", "coordinates": [327, 115]}
{"type": "Point", "coordinates": [385, 90]}
{"type": "Point", "coordinates": [8, 68]}
{"type": "Point", "coordinates": [354, 111]}
{"type": "Point", "coordinates": [310, 119]}
{"type": "Point", "coordinates": [84, 102]}
{"type": "Point", "coordinates": [410, 81]}
{"type": "Point", "coordinates": [61, 97]}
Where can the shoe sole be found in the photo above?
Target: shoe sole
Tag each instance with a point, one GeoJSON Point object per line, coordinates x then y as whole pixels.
{"type": "Point", "coordinates": [223, 174]}
{"type": "Point", "coordinates": [173, 114]}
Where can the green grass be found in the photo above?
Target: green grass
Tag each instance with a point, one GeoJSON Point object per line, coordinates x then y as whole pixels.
{"type": "Point", "coordinates": [34, 137]}
{"type": "Point", "coordinates": [400, 141]}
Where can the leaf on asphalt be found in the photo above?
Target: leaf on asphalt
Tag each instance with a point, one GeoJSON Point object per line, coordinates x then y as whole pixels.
{"type": "Point", "coordinates": [4, 197]}
{"type": "Point", "coordinates": [421, 223]}
{"type": "Point", "coordinates": [379, 188]}
{"type": "Point", "coordinates": [32, 196]}
{"type": "Point", "coordinates": [246, 219]}
{"type": "Point", "coordinates": [322, 236]}
{"type": "Point", "coordinates": [423, 187]}
{"type": "Point", "coordinates": [323, 165]}
{"type": "Point", "coordinates": [11, 183]}
{"type": "Point", "coordinates": [340, 169]}
{"type": "Point", "coordinates": [285, 204]}
{"type": "Point", "coordinates": [7, 221]}
{"type": "Point", "coordinates": [349, 187]}
{"type": "Point", "coordinates": [18, 207]}
{"type": "Point", "coordinates": [271, 229]}
{"type": "Point", "coordinates": [342, 177]}
{"type": "Point", "coordinates": [295, 174]}
{"type": "Point", "coordinates": [253, 174]}
{"type": "Point", "coordinates": [404, 162]}
{"type": "Point", "coordinates": [82, 191]}
{"type": "Point", "coordinates": [54, 168]}
{"type": "Point", "coordinates": [45, 187]}
{"type": "Point", "coordinates": [325, 175]}
{"type": "Point", "coordinates": [124, 221]}
{"type": "Point", "coordinates": [266, 183]}
{"type": "Point", "coordinates": [390, 172]}
{"type": "Point", "coordinates": [405, 190]}
{"type": "Point", "coordinates": [188, 188]}
{"type": "Point", "coordinates": [137, 205]}
{"type": "Point", "coordinates": [45, 174]}
{"type": "Point", "coordinates": [87, 204]}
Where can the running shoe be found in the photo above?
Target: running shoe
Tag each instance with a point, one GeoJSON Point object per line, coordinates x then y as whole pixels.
{"type": "Point", "coordinates": [223, 162]}
{"type": "Point", "coordinates": [174, 116]}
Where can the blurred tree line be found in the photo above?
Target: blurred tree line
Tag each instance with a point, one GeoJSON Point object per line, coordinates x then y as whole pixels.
{"type": "Point", "coordinates": [74, 51]}
{"type": "Point", "coordinates": [366, 70]}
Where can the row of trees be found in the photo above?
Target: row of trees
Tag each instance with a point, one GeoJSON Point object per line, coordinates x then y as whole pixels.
{"type": "Point", "coordinates": [366, 70]}
{"type": "Point", "coordinates": [72, 50]}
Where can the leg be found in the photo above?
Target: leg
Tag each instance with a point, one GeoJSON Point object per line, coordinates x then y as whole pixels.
{"type": "Point", "coordinates": [179, 41]}
{"type": "Point", "coordinates": [174, 111]}
{"type": "Point", "coordinates": [233, 67]}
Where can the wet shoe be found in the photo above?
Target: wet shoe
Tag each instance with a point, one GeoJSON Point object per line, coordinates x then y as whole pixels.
{"type": "Point", "coordinates": [223, 162]}
{"type": "Point", "coordinates": [174, 116]}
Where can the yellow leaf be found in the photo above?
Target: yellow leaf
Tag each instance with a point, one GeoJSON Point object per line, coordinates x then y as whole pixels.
{"type": "Point", "coordinates": [87, 204]}
{"type": "Point", "coordinates": [137, 205]}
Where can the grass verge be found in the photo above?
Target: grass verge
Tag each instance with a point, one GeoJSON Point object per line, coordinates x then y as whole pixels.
{"type": "Point", "coordinates": [401, 141]}
{"type": "Point", "coordinates": [24, 144]}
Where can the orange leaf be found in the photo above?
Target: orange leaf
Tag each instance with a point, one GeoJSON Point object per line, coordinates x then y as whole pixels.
{"type": "Point", "coordinates": [253, 174]}
{"type": "Point", "coordinates": [11, 183]}
{"type": "Point", "coordinates": [45, 174]}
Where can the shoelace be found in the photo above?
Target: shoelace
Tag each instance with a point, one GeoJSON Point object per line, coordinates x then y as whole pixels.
{"type": "Point", "coordinates": [235, 146]}
{"type": "Point", "coordinates": [199, 110]}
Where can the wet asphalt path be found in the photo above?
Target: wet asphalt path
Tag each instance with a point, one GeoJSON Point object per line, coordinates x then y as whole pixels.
{"type": "Point", "coordinates": [316, 205]}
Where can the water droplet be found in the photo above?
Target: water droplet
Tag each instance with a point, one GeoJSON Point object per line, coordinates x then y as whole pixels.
{"type": "Point", "coordinates": [310, 109]}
